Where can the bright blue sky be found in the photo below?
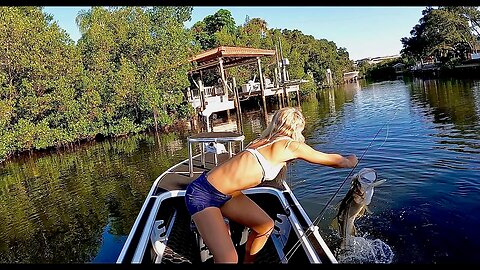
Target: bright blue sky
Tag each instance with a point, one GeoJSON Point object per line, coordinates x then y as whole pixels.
{"type": "Point", "coordinates": [364, 31]}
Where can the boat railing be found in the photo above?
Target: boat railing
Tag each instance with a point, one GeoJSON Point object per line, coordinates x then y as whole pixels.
{"type": "Point", "coordinates": [214, 138]}
{"type": "Point", "coordinates": [209, 91]}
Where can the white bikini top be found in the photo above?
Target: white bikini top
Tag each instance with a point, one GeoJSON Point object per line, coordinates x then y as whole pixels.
{"type": "Point", "coordinates": [269, 171]}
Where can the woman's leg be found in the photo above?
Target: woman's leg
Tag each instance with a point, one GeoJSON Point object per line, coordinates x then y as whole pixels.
{"type": "Point", "coordinates": [243, 210]}
{"type": "Point", "coordinates": [212, 228]}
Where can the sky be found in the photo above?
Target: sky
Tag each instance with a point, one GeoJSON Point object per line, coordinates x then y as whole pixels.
{"type": "Point", "coordinates": [363, 31]}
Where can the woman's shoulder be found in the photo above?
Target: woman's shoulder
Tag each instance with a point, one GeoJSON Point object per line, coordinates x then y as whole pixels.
{"type": "Point", "coordinates": [272, 141]}
{"type": "Point", "coordinates": [282, 142]}
{"type": "Point", "coordinates": [281, 138]}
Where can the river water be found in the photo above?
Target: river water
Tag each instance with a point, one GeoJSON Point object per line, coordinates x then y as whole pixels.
{"type": "Point", "coordinates": [422, 136]}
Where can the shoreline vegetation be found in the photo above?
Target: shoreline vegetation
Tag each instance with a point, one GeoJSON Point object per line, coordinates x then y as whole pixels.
{"type": "Point", "coordinates": [128, 72]}
{"type": "Point", "coordinates": [444, 43]}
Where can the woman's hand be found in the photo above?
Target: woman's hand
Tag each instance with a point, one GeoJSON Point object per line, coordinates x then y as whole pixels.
{"type": "Point", "coordinates": [352, 161]}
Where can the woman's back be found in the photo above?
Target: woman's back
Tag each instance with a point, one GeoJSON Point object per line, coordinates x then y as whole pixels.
{"type": "Point", "coordinates": [275, 160]}
{"type": "Point", "coordinates": [246, 169]}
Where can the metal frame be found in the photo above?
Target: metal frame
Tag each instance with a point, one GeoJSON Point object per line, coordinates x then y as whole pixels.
{"type": "Point", "coordinates": [227, 139]}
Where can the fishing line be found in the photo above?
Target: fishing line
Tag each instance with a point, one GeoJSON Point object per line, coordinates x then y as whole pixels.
{"type": "Point", "coordinates": [310, 229]}
{"type": "Point", "coordinates": [386, 136]}
{"type": "Point", "coordinates": [388, 128]}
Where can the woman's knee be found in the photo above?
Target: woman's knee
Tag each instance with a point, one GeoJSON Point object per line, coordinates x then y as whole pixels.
{"type": "Point", "coordinates": [270, 224]}
{"type": "Point", "coordinates": [226, 257]}
{"type": "Point", "coordinates": [265, 228]}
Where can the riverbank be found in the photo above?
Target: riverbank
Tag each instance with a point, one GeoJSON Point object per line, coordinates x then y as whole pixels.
{"type": "Point", "coordinates": [179, 126]}
{"type": "Point", "coordinates": [466, 70]}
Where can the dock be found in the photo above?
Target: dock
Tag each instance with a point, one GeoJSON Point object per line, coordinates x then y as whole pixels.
{"type": "Point", "coordinates": [225, 95]}
{"type": "Point", "coordinates": [350, 77]}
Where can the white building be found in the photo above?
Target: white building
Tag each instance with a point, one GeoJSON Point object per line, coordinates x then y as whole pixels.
{"type": "Point", "coordinates": [376, 60]}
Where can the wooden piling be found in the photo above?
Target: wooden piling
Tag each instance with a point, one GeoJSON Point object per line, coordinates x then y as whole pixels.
{"type": "Point", "coordinates": [237, 106]}
{"type": "Point", "coordinates": [224, 82]}
{"type": "Point", "coordinates": [262, 84]}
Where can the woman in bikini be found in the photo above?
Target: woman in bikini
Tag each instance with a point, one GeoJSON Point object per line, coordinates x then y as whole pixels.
{"type": "Point", "coordinates": [218, 193]}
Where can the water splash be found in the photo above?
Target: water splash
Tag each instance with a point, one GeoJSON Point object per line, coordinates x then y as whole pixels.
{"type": "Point", "coordinates": [360, 250]}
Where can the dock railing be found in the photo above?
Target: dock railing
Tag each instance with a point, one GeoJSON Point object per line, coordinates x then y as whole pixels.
{"type": "Point", "coordinates": [209, 91]}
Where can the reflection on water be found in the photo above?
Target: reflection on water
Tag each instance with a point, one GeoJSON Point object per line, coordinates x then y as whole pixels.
{"type": "Point", "coordinates": [429, 152]}
{"type": "Point", "coordinates": [78, 205]}
{"type": "Point", "coordinates": [54, 208]}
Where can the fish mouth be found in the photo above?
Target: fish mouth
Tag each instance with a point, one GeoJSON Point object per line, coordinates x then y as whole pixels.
{"type": "Point", "coordinates": [366, 176]}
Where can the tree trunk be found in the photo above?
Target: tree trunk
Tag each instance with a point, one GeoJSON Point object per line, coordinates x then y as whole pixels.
{"type": "Point", "coordinates": [155, 116]}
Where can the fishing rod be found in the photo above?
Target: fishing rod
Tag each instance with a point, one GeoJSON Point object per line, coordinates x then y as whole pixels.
{"type": "Point", "coordinates": [310, 229]}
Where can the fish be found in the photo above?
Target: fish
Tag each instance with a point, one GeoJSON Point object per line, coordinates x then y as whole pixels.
{"type": "Point", "coordinates": [354, 204]}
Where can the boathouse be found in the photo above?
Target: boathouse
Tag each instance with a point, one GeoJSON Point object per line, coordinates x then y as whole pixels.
{"type": "Point", "coordinates": [225, 95]}
{"type": "Point", "coordinates": [350, 77]}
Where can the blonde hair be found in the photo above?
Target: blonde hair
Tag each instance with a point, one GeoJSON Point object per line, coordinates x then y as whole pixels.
{"type": "Point", "coordinates": [287, 121]}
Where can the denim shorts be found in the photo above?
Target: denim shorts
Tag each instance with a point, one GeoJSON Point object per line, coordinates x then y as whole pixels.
{"type": "Point", "coordinates": [200, 194]}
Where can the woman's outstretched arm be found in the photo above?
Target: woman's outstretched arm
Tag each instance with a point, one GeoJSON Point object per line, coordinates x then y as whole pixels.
{"type": "Point", "coordinates": [303, 151]}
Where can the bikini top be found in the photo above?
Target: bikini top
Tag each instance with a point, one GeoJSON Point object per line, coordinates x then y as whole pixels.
{"type": "Point", "coordinates": [269, 171]}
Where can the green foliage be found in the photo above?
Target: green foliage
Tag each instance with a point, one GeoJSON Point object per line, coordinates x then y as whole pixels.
{"type": "Point", "coordinates": [363, 68]}
{"type": "Point", "coordinates": [39, 81]}
{"type": "Point", "coordinates": [254, 34]}
{"type": "Point", "coordinates": [201, 36]}
{"type": "Point", "coordinates": [128, 71]}
{"type": "Point", "coordinates": [447, 33]}
{"type": "Point", "coordinates": [382, 71]}
{"type": "Point", "coordinates": [215, 30]}
{"type": "Point", "coordinates": [136, 58]}
{"type": "Point", "coordinates": [308, 87]}
{"type": "Point", "coordinates": [129, 63]}
{"type": "Point", "coordinates": [309, 55]}
{"type": "Point", "coordinates": [222, 19]}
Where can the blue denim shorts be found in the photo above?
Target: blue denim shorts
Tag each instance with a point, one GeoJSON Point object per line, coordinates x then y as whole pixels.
{"type": "Point", "coordinates": [200, 194]}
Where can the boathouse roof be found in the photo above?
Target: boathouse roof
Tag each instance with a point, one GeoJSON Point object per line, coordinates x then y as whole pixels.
{"type": "Point", "coordinates": [231, 56]}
